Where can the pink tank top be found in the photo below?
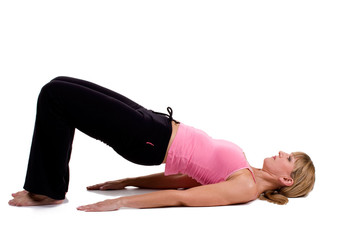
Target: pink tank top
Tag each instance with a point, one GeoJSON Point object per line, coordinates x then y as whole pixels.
{"type": "Point", "coordinates": [203, 158]}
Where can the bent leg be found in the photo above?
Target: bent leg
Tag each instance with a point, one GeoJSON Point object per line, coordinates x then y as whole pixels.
{"type": "Point", "coordinates": [47, 172]}
{"type": "Point", "coordinates": [64, 106]}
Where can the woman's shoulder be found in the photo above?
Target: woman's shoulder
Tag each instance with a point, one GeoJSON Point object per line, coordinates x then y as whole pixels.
{"type": "Point", "coordinates": [245, 180]}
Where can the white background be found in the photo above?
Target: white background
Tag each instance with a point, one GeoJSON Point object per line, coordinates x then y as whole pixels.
{"type": "Point", "coordinates": [267, 75]}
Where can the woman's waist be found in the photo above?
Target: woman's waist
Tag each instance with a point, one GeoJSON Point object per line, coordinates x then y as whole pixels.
{"type": "Point", "coordinates": [175, 127]}
{"type": "Point", "coordinates": [186, 143]}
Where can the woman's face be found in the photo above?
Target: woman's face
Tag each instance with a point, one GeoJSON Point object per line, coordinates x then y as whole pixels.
{"type": "Point", "coordinates": [281, 165]}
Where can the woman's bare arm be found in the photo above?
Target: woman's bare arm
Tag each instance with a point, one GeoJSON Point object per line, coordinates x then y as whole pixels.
{"type": "Point", "coordinates": [239, 190]}
{"type": "Point", "coordinates": [153, 181]}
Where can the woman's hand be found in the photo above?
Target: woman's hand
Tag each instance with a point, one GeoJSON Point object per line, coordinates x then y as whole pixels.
{"type": "Point", "coordinates": [110, 185]}
{"type": "Point", "coordinates": [106, 205]}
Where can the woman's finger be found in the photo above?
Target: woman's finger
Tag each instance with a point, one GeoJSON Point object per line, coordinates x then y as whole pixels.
{"type": "Point", "coordinates": [107, 205]}
{"type": "Point", "coordinates": [95, 187]}
{"type": "Point", "coordinates": [106, 187]}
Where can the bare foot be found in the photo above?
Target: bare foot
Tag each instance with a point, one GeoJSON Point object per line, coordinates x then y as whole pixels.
{"type": "Point", "coordinates": [25, 198]}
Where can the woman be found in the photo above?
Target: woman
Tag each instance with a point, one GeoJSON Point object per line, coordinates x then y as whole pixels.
{"type": "Point", "coordinates": [209, 172]}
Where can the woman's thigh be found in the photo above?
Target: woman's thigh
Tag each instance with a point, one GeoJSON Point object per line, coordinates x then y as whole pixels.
{"type": "Point", "coordinates": [117, 121]}
{"type": "Point", "coordinates": [99, 89]}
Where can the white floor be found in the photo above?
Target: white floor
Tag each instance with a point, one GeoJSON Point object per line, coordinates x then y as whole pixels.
{"type": "Point", "coordinates": [304, 219]}
{"type": "Point", "coordinates": [300, 217]}
{"type": "Point", "coordinates": [267, 75]}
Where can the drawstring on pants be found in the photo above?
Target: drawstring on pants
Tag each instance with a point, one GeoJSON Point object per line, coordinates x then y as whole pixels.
{"type": "Point", "coordinates": [169, 115]}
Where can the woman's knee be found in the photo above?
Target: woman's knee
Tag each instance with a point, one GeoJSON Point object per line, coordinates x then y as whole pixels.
{"type": "Point", "coordinates": [54, 83]}
{"type": "Point", "coordinates": [60, 78]}
{"type": "Point", "coordinates": [50, 89]}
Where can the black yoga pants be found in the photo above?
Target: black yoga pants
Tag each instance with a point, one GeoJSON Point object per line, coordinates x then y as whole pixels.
{"type": "Point", "coordinates": [65, 104]}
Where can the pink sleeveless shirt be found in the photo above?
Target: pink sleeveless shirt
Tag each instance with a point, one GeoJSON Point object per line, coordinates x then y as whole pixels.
{"type": "Point", "coordinates": [203, 158]}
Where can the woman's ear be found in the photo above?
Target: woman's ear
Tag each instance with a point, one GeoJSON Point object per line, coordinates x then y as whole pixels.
{"type": "Point", "coordinates": [286, 181]}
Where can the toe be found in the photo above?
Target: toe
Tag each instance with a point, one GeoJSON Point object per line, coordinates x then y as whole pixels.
{"type": "Point", "coordinates": [20, 193]}
{"type": "Point", "coordinates": [13, 202]}
{"type": "Point", "coordinates": [15, 194]}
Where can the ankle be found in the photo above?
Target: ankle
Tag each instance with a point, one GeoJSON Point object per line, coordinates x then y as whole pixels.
{"type": "Point", "coordinates": [39, 197]}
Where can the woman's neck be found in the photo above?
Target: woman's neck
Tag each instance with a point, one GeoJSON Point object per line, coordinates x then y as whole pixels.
{"type": "Point", "coordinates": [264, 180]}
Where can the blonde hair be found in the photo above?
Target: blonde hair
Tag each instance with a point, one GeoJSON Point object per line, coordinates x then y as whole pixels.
{"type": "Point", "coordinates": [304, 179]}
